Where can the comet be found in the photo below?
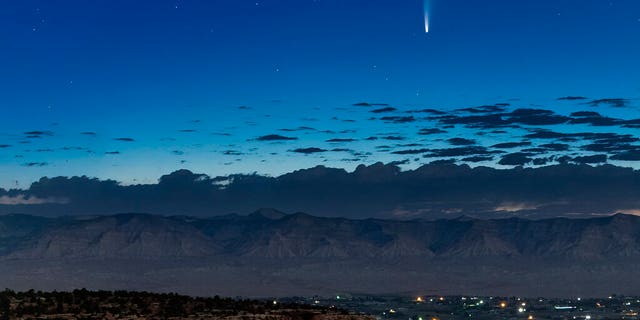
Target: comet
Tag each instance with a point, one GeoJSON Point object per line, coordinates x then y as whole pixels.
{"type": "Point", "coordinates": [426, 23]}
{"type": "Point", "coordinates": [426, 16]}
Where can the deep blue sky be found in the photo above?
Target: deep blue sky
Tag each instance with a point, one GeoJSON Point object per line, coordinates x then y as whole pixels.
{"type": "Point", "coordinates": [147, 69]}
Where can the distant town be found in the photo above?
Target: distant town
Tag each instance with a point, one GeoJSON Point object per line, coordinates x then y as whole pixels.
{"type": "Point", "coordinates": [485, 307]}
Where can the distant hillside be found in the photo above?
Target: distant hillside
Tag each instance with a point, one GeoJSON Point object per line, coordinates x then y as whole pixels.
{"type": "Point", "coordinates": [84, 304]}
{"type": "Point", "coordinates": [271, 253]}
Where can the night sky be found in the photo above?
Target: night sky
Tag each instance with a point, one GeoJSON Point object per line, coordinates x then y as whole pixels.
{"type": "Point", "coordinates": [132, 90]}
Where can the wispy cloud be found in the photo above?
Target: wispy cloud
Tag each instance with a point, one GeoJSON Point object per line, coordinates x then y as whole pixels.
{"type": "Point", "coordinates": [30, 200]}
{"type": "Point", "coordinates": [515, 206]}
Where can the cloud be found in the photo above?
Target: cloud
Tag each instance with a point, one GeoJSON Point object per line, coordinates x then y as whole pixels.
{"type": "Point", "coordinates": [485, 109]}
{"type": "Point", "coordinates": [629, 155]}
{"type": "Point", "coordinates": [73, 148]}
{"type": "Point", "coordinates": [536, 117]}
{"type": "Point", "coordinates": [367, 104]}
{"type": "Point", "coordinates": [429, 191]}
{"type": "Point", "coordinates": [35, 164]}
{"type": "Point", "coordinates": [385, 109]}
{"type": "Point", "coordinates": [510, 145]}
{"type": "Point", "coordinates": [301, 128]}
{"type": "Point", "coordinates": [585, 114]}
{"type": "Point", "coordinates": [517, 128]}
{"type": "Point", "coordinates": [634, 123]}
{"type": "Point", "coordinates": [461, 151]}
{"type": "Point", "coordinates": [610, 143]}
{"type": "Point", "coordinates": [524, 116]}
{"type": "Point", "coordinates": [515, 206]}
{"type": "Point", "coordinates": [400, 162]}
{"type": "Point", "coordinates": [430, 131]}
{"type": "Point", "coordinates": [392, 138]}
{"type": "Point", "coordinates": [598, 121]}
{"type": "Point", "coordinates": [635, 211]}
{"type": "Point", "coordinates": [475, 121]}
{"type": "Point", "coordinates": [337, 140]}
{"type": "Point", "coordinates": [555, 146]}
{"type": "Point", "coordinates": [571, 98]}
{"type": "Point", "coordinates": [516, 159]}
{"type": "Point", "coordinates": [29, 200]}
{"type": "Point", "coordinates": [612, 102]}
{"type": "Point", "coordinates": [430, 111]}
{"type": "Point", "coordinates": [411, 151]}
{"type": "Point", "coordinates": [544, 134]}
{"type": "Point", "coordinates": [308, 150]}
{"type": "Point", "coordinates": [541, 161]}
{"type": "Point", "coordinates": [275, 137]}
{"type": "Point", "coordinates": [477, 159]}
{"type": "Point", "coordinates": [398, 119]}
{"type": "Point", "coordinates": [39, 133]}
{"type": "Point", "coordinates": [341, 150]}
{"type": "Point", "coordinates": [607, 142]}
{"type": "Point", "coordinates": [597, 158]}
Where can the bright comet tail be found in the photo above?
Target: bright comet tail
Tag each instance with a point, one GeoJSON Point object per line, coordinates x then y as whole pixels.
{"type": "Point", "coordinates": [426, 16]}
{"type": "Point", "coordinates": [426, 23]}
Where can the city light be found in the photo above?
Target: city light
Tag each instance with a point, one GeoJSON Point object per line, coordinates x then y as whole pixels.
{"type": "Point", "coordinates": [457, 308]}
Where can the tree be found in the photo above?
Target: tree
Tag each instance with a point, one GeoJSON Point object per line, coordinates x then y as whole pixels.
{"type": "Point", "coordinates": [5, 306]}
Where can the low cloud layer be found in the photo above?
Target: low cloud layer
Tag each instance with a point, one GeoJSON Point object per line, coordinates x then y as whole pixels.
{"type": "Point", "coordinates": [431, 191]}
{"type": "Point", "coordinates": [20, 199]}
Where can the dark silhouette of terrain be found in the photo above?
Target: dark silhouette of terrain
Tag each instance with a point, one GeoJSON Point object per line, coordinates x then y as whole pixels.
{"type": "Point", "coordinates": [84, 304]}
{"type": "Point", "coordinates": [269, 253]}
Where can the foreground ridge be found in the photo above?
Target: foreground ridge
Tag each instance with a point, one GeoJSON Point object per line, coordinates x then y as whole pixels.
{"type": "Point", "coordinates": [84, 304]}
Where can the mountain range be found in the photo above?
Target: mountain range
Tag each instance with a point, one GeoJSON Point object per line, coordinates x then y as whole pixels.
{"type": "Point", "coordinates": [270, 253]}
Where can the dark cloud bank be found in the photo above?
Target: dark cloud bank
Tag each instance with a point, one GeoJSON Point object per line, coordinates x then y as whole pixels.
{"type": "Point", "coordinates": [383, 191]}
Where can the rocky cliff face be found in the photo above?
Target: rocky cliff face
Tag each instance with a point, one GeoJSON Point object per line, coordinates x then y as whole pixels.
{"type": "Point", "coordinates": [265, 244]}
{"type": "Point", "coordinates": [272, 235]}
